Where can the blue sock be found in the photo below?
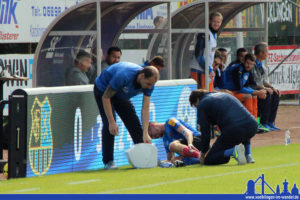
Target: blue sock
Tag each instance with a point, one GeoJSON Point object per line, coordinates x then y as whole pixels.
{"type": "Point", "coordinates": [190, 161]}
{"type": "Point", "coordinates": [229, 152]}
{"type": "Point", "coordinates": [247, 149]}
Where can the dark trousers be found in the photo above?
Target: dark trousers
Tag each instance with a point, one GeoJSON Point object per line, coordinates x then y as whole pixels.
{"type": "Point", "coordinates": [267, 108]}
{"type": "Point", "coordinates": [127, 113]}
{"type": "Point", "coordinates": [228, 139]}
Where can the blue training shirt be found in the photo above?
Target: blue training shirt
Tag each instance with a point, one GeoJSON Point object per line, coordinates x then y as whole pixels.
{"type": "Point", "coordinates": [236, 78]}
{"type": "Point", "coordinates": [171, 134]}
{"type": "Point", "coordinates": [145, 64]}
{"type": "Point", "coordinates": [121, 77]}
{"type": "Point", "coordinates": [259, 64]}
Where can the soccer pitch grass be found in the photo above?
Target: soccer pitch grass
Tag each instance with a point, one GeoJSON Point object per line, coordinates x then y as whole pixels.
{"type": "Point", "coordinates": [276, 162]}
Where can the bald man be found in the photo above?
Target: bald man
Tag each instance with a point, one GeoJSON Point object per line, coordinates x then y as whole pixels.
{"type": "Point", "coordinates": [113, 90]}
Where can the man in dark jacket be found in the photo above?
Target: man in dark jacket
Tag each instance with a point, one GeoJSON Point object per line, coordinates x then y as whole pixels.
{"type": "Point", "coordinates": [235, 122]}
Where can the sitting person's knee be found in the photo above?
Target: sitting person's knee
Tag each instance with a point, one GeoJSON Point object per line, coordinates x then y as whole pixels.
{"type": "Point", "coordinates": [173, 146]}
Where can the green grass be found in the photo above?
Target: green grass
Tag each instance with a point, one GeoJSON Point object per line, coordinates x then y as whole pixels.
{"type": "Point", "coordinates": [276, 162]}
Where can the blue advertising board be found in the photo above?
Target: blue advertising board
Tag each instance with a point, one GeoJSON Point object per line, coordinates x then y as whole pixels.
{"type": "Point", "coordinates": [64, 126]}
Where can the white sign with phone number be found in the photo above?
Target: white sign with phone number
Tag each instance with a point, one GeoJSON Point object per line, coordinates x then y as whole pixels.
{"type": "Point", "coordinates": [26, 20]}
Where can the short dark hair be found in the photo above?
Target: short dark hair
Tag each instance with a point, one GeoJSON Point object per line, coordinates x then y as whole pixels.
{"type": "Point", "coordinates": [80, 55]}
{"type": "Point", "coordinates": [240, 50]}
{"type": "Point", "coordinates": [113, 48]}
{"type": "Point", "coordinates": [158, 61]}
{"type": "Point", "coordinates": [218, 55]}
{"type": "Point", "coordinates": [222, 49]}
{"type": "Point", "coordinates": [197, 95]}
{"type": "Point", "coordinates": [250, 56]}
{"type": "Point", "coordinates": [156, 19]}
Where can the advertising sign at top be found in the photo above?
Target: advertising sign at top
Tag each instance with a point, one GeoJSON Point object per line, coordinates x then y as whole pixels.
{"type": "Point", "coordinates": [26, 20]}
{"type": "Point", "coordinates": [145, 19]}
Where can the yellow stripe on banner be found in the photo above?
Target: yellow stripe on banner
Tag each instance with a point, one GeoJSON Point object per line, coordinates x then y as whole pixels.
{"type": "Point", "coordinates": [39, 148]}
{"type": "Point", "coordinates": [182, 3]}
{"type": "Point", "coordinates": [297, 14]}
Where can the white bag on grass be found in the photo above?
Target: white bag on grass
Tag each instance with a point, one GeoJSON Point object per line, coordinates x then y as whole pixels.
{"type": "Point", "coordinates": [142, 156]}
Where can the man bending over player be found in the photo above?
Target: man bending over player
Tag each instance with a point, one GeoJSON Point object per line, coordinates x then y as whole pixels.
{"type": "Point", "coordinates": [235, 122]}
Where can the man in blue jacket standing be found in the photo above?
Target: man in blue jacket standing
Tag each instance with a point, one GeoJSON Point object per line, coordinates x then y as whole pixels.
{"type": "Point", "coordinates": [113, 89]}
{"type": "Point", "coordinates": [236, 123]}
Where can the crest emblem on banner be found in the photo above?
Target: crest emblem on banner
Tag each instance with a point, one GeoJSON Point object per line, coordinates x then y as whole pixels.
{"type": "Point", "coordinates": [40, 141]}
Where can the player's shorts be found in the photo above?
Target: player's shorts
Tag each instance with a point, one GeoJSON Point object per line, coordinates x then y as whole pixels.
{"type": "Point", "coordinates": [196, 142]}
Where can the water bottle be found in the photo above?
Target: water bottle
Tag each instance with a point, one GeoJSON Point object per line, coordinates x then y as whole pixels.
{"type": "Point", "coordinates": [287, 137]}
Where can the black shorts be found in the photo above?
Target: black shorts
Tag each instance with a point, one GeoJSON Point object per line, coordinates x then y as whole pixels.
{"type": "Point", "coordinates": [196, 142]}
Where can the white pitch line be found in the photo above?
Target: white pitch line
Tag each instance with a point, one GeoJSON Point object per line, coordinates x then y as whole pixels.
{"type": "Point", "coordinates": [27, 190]}
{"type": "Point", "coordinates": [197, 178]}
{"type": "Point", "coordinates": [83, 182]}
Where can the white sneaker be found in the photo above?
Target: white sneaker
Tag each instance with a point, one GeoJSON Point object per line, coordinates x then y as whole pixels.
{"type": "Point", "coordinates": [110, 166]}
{"type": "Point", "coordinates": [239, 154]}
{"type": "Point", "coordinates": [250, 159]}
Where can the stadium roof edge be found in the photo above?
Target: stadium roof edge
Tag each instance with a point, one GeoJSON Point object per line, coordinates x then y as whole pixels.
{"type": "Point", "coordinates": [108, 19]}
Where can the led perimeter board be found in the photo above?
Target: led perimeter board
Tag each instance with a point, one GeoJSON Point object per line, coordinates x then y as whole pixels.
{"type": "Point", "coordinates": [58, 129]}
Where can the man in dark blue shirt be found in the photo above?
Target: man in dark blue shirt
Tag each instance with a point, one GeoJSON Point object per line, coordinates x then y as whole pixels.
{"type": "Point", "coordinates": [239, 79]}
{"type": "Point", "coordinates": [113, 89]}
{"type": "Point", "coordinates": [235, 122]}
